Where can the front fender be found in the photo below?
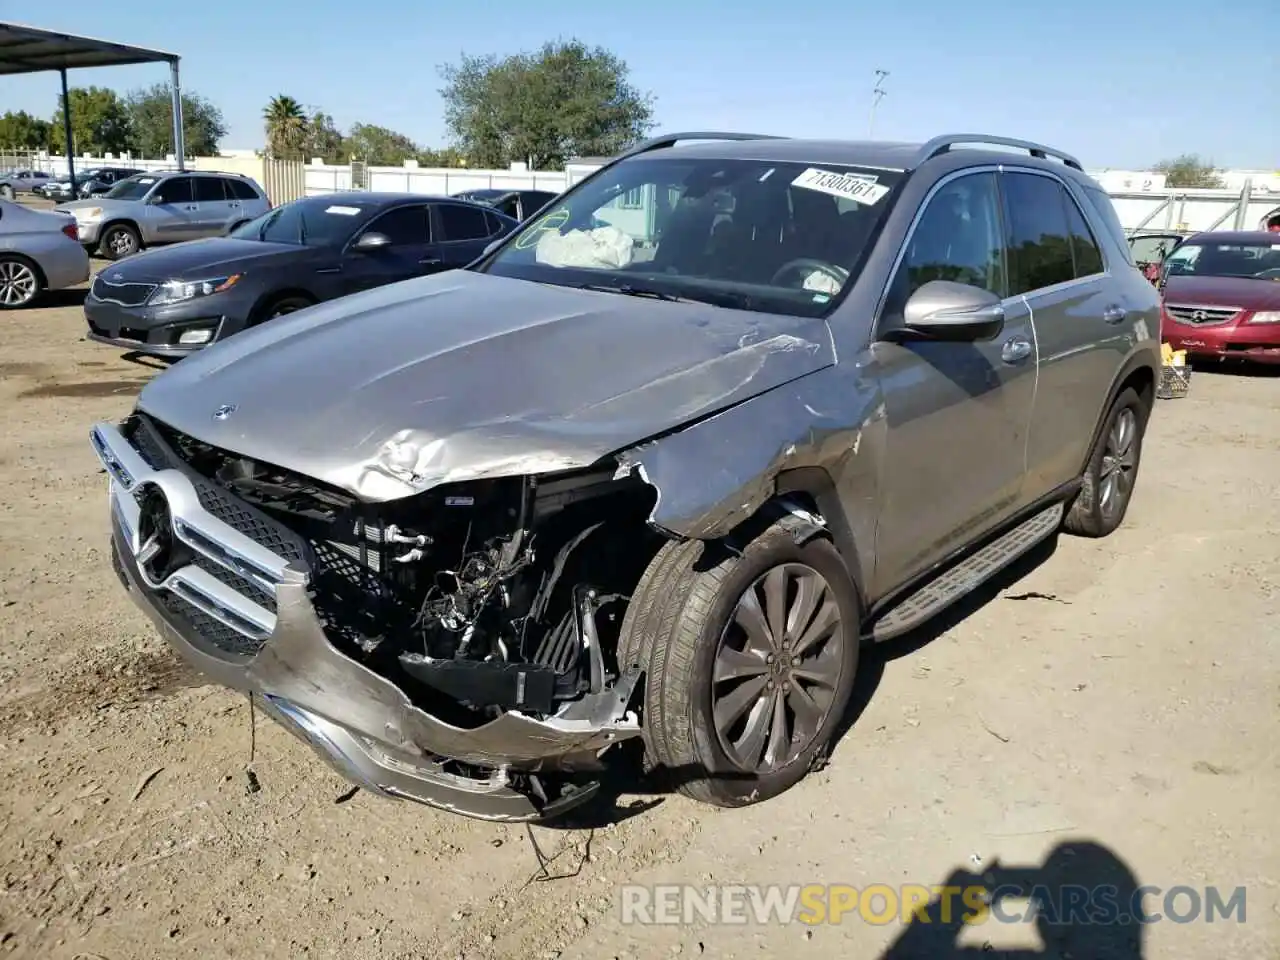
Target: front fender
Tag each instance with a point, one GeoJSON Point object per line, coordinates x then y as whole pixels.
{"type": "Point", "coordinates": [718, 473]}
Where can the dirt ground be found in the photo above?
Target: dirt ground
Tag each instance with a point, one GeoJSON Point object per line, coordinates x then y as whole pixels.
{"type": "Point", "coordinates": [1122, 693]}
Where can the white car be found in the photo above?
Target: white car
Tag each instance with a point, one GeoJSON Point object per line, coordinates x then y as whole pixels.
{"type": "Point", "coordinates": [39, 251]}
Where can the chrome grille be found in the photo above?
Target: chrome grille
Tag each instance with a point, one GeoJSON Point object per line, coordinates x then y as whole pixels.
{"type": "Point", "coordinates": [1200, 315]}
{"type": "Point", "coordinates": [211, 571]}
{"type": "Point", "coordinates": [124, 294]}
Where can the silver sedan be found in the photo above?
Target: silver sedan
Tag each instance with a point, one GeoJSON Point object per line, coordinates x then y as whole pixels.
{"type": "Point", "coordinates": [39, 251]}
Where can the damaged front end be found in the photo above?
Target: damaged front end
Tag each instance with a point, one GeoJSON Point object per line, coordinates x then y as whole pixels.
{"type": "Point", "coordinates": [456, 647]}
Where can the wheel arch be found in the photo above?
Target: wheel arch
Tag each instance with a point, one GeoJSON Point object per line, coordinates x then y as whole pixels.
{"type": "Point", "coordinates": [122, 222]}
{"type": "Point", "coordinates": [33, 264]}
{"type": "Point", "coordinates": [1138, 372]}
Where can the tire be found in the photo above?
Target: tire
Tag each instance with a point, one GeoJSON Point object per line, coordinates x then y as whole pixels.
{"type": "Point", "coordinates": [119, 241]}
{"type": "Point", "coordinates": [20, 282]}
{"type": "Point", "coordinates": [1112, 472]}
{"type": "Point", "coordinates": [678, 627]}
{"type": "Point", "coordinates": [280, 306]}
{"type": "Point", "coordinates": [6, 192]}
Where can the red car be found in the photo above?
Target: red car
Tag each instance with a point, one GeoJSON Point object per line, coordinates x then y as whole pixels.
{"type": "Point", "coordinates": [1222, 296]}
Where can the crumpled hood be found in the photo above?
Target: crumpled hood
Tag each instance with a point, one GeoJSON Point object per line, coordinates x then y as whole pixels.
{"type": "Point", "coordinates": [465, 375]}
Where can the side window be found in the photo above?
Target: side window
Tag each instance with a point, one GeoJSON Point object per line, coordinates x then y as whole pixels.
{"type": "Point", "coordinates": [240, 190]}
{"type": "Point", "coordinates": [1039, 238]}
{"type": "Point", "coordinates": [210, 190]}
{"type": "Point", "coordinates": [958, 238]}
{"type": "Point", "coordinates": [404, 226]}
{"type": "Point", "coordinates": [496, 224]}
{"type": "Point", "coordinates": [511, 206]}
{"type": "Point", "coordinates": [1083, 245]}
{"type": "Point", "coordinates": [1106, 212]}
{"type": "Point", "coordinates": [462, 223]}
{"type": "Point", "coordinates": [174, 190]}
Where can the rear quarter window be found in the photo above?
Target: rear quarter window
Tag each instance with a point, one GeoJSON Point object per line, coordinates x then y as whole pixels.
{"type": "Point", "coordinates": [1106, 212]}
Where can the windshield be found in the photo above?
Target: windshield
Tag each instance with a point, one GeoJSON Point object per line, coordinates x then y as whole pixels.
{"type": "Point", "coordinates": [752, 234]}
{"type": "Point", "coordinates": [135, 188]}
{"type": "Point", "coordinates": [310, 222]}
{"type": "Point", "coordinates": [1256, 260]}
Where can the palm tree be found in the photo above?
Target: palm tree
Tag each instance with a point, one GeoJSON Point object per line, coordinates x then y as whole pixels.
{"type": "Point", "coordinates": [286, 126]}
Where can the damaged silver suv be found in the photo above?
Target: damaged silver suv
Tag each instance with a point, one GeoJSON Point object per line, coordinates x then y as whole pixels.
{"type": "Point", "coordinates": [651, 470]}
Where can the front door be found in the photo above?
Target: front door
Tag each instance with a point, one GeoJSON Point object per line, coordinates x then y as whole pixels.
{"type": "Point", "coordinates": [172, 212]}
{"type": "Point", "coordinates": [409, 254]}
{"type": "Point", "coordinates": [957, 415]}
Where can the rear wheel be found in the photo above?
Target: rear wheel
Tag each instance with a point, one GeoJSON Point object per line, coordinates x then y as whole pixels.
{"type": "Point", "coordinates": [1112, 472]}
{"type": "Point", "coordinates": [749, 663]}
{"type": "Point", "coordinates": [19, 282]}
{"type": "Point", "coordinates": [6, 192]}
{"type": "Point", "coordinates": [119, 241]}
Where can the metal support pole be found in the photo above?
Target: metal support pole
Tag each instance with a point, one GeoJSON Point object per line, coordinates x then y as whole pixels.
{"type": "Point", "coordinates": [1242, 211]}
{"type": "Point", "coordinates": [179, 141]}
{"type": "Point", "coordinates": [66, 132]}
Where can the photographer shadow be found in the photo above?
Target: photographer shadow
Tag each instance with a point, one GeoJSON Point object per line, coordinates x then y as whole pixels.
{"type": "Point", "coordinates": [1084, 902]}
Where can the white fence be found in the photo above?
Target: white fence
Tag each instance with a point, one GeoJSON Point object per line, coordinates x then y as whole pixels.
{"type": "Point", "coordinates": [438, 181]}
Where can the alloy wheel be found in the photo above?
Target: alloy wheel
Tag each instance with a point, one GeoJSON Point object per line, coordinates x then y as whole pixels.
{"type": "Point", "coordinates": [777, 668]}
{"type": "Point", "coordinates": [18, 283]}
{"type": "Point", "coordinates": [121, 243]}
{"type": "Point", "coordinates": [1119, 462]}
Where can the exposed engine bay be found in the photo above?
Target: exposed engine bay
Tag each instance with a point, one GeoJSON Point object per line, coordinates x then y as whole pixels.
{"type": "Point", "coordinates": [474, 598]}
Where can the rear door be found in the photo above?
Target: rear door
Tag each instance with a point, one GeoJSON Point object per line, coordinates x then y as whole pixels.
{"type": "Point", "coordinates": [214, 211]}
{"type": "Point", "coordinates": [171, 213]}
{"type": "Point", "coordinates": [1057, 266]}
{"type": "Point", "coordinates": [409, 254]}
{"type": "Point", "coordinates": [462, 231]}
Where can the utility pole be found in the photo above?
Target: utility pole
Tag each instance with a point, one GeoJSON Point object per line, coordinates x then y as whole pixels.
{"type": "Point", "coordinates": [877, 94]}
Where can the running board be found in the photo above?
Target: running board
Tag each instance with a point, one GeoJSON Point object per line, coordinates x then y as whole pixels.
{"type": "Point", "coordinates": [967, 575]}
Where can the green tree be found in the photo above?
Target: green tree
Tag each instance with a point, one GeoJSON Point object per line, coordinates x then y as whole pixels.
{"type": "Point", "coordinates": [99, 122]}
{"type": "Point", "coordinates": [1189, 170]}
{"type": "Point", "coordinates": [22, 131]}
{"type": "Point", "coordinates": [447, 157]}
{"type": "Point", "coordinates": [323, 139]}
{"type": "Point", "coordinates": [545, 107]}
{"type": "Point", "coordinates": [151, 120]}
{"type": "Point", "coordinates": [378, 146]}
{"type": "Point", "coordinates": [286, 126]}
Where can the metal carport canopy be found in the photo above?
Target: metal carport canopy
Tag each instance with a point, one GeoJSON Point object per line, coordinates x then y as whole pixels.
{"type": "Point", "coordinates": [25, 49]}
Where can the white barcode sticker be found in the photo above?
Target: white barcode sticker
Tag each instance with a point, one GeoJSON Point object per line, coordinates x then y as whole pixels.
{"type": "Point", "coordinates": [345, 211]}
{"type": "Point", "coordinates": [848, 186]}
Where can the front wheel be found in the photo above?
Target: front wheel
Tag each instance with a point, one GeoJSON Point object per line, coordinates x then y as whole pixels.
{"type": "Point", "coordinates": [6, 192]}
{"type": "Point", "coordinates": [749, 663]}
{"type": "Point", "coordinates": [1112, 472]}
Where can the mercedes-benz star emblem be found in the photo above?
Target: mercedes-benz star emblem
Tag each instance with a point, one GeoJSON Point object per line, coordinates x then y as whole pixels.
{"type": "Point", "coordinates": [224, 411]}
{"type": "Point", "coordinates": [161, 552]}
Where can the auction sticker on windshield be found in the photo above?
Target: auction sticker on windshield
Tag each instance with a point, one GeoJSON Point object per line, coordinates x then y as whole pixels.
{"type": "Point", "coordinates": [345, 211]}
{"type": "Point", "coordinates": [859, 188]}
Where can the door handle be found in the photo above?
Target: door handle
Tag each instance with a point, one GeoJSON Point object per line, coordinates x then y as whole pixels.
{"type": "Point", "coordinates": [429, 261]}
{"type": "Point", "coordinates": [329, 270]}
{"type": "Point", "coordinates": [1114, 313]}
{"type": "Point", "coordinates": [193, 207]}
{"type": "Point", "coordinates": [1015, 350]}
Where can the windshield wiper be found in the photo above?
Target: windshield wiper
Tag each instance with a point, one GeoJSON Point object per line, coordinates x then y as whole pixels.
{"type": "Point", "coordinates": [628, 290]}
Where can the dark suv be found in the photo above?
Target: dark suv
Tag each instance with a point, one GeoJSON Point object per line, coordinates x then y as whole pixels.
{"type": "Point", "coordinates": [654, 467]}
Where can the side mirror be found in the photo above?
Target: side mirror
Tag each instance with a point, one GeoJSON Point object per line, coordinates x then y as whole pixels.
{"type": "Point", "coordinates": [493, 245]}
{"type": "Point", "coordinates": [371, 241]}
{"type": "Point", "coordinates": [944, 310]}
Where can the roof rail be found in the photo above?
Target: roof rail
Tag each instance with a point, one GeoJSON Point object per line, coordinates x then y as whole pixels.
{"type": "Point", "coordinates": [671, 139]}
{"type": "Point", "coordinates": [942, 144]}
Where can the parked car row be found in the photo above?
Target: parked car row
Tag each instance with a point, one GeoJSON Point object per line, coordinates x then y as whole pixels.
{"type": "Point", "coordinates": [92, 182]}
{"type": "Point", "coordinates": [171, 301]}
{"type": "Point", "coordinates": [15, 182]}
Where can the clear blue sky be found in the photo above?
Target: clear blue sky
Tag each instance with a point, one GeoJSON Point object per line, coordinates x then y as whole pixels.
{"type": "Point", "coordinates": [1100, 79]}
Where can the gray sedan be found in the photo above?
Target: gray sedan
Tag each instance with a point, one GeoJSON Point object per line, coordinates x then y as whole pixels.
{"type": "Point", "coordinates": [38, 251]}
